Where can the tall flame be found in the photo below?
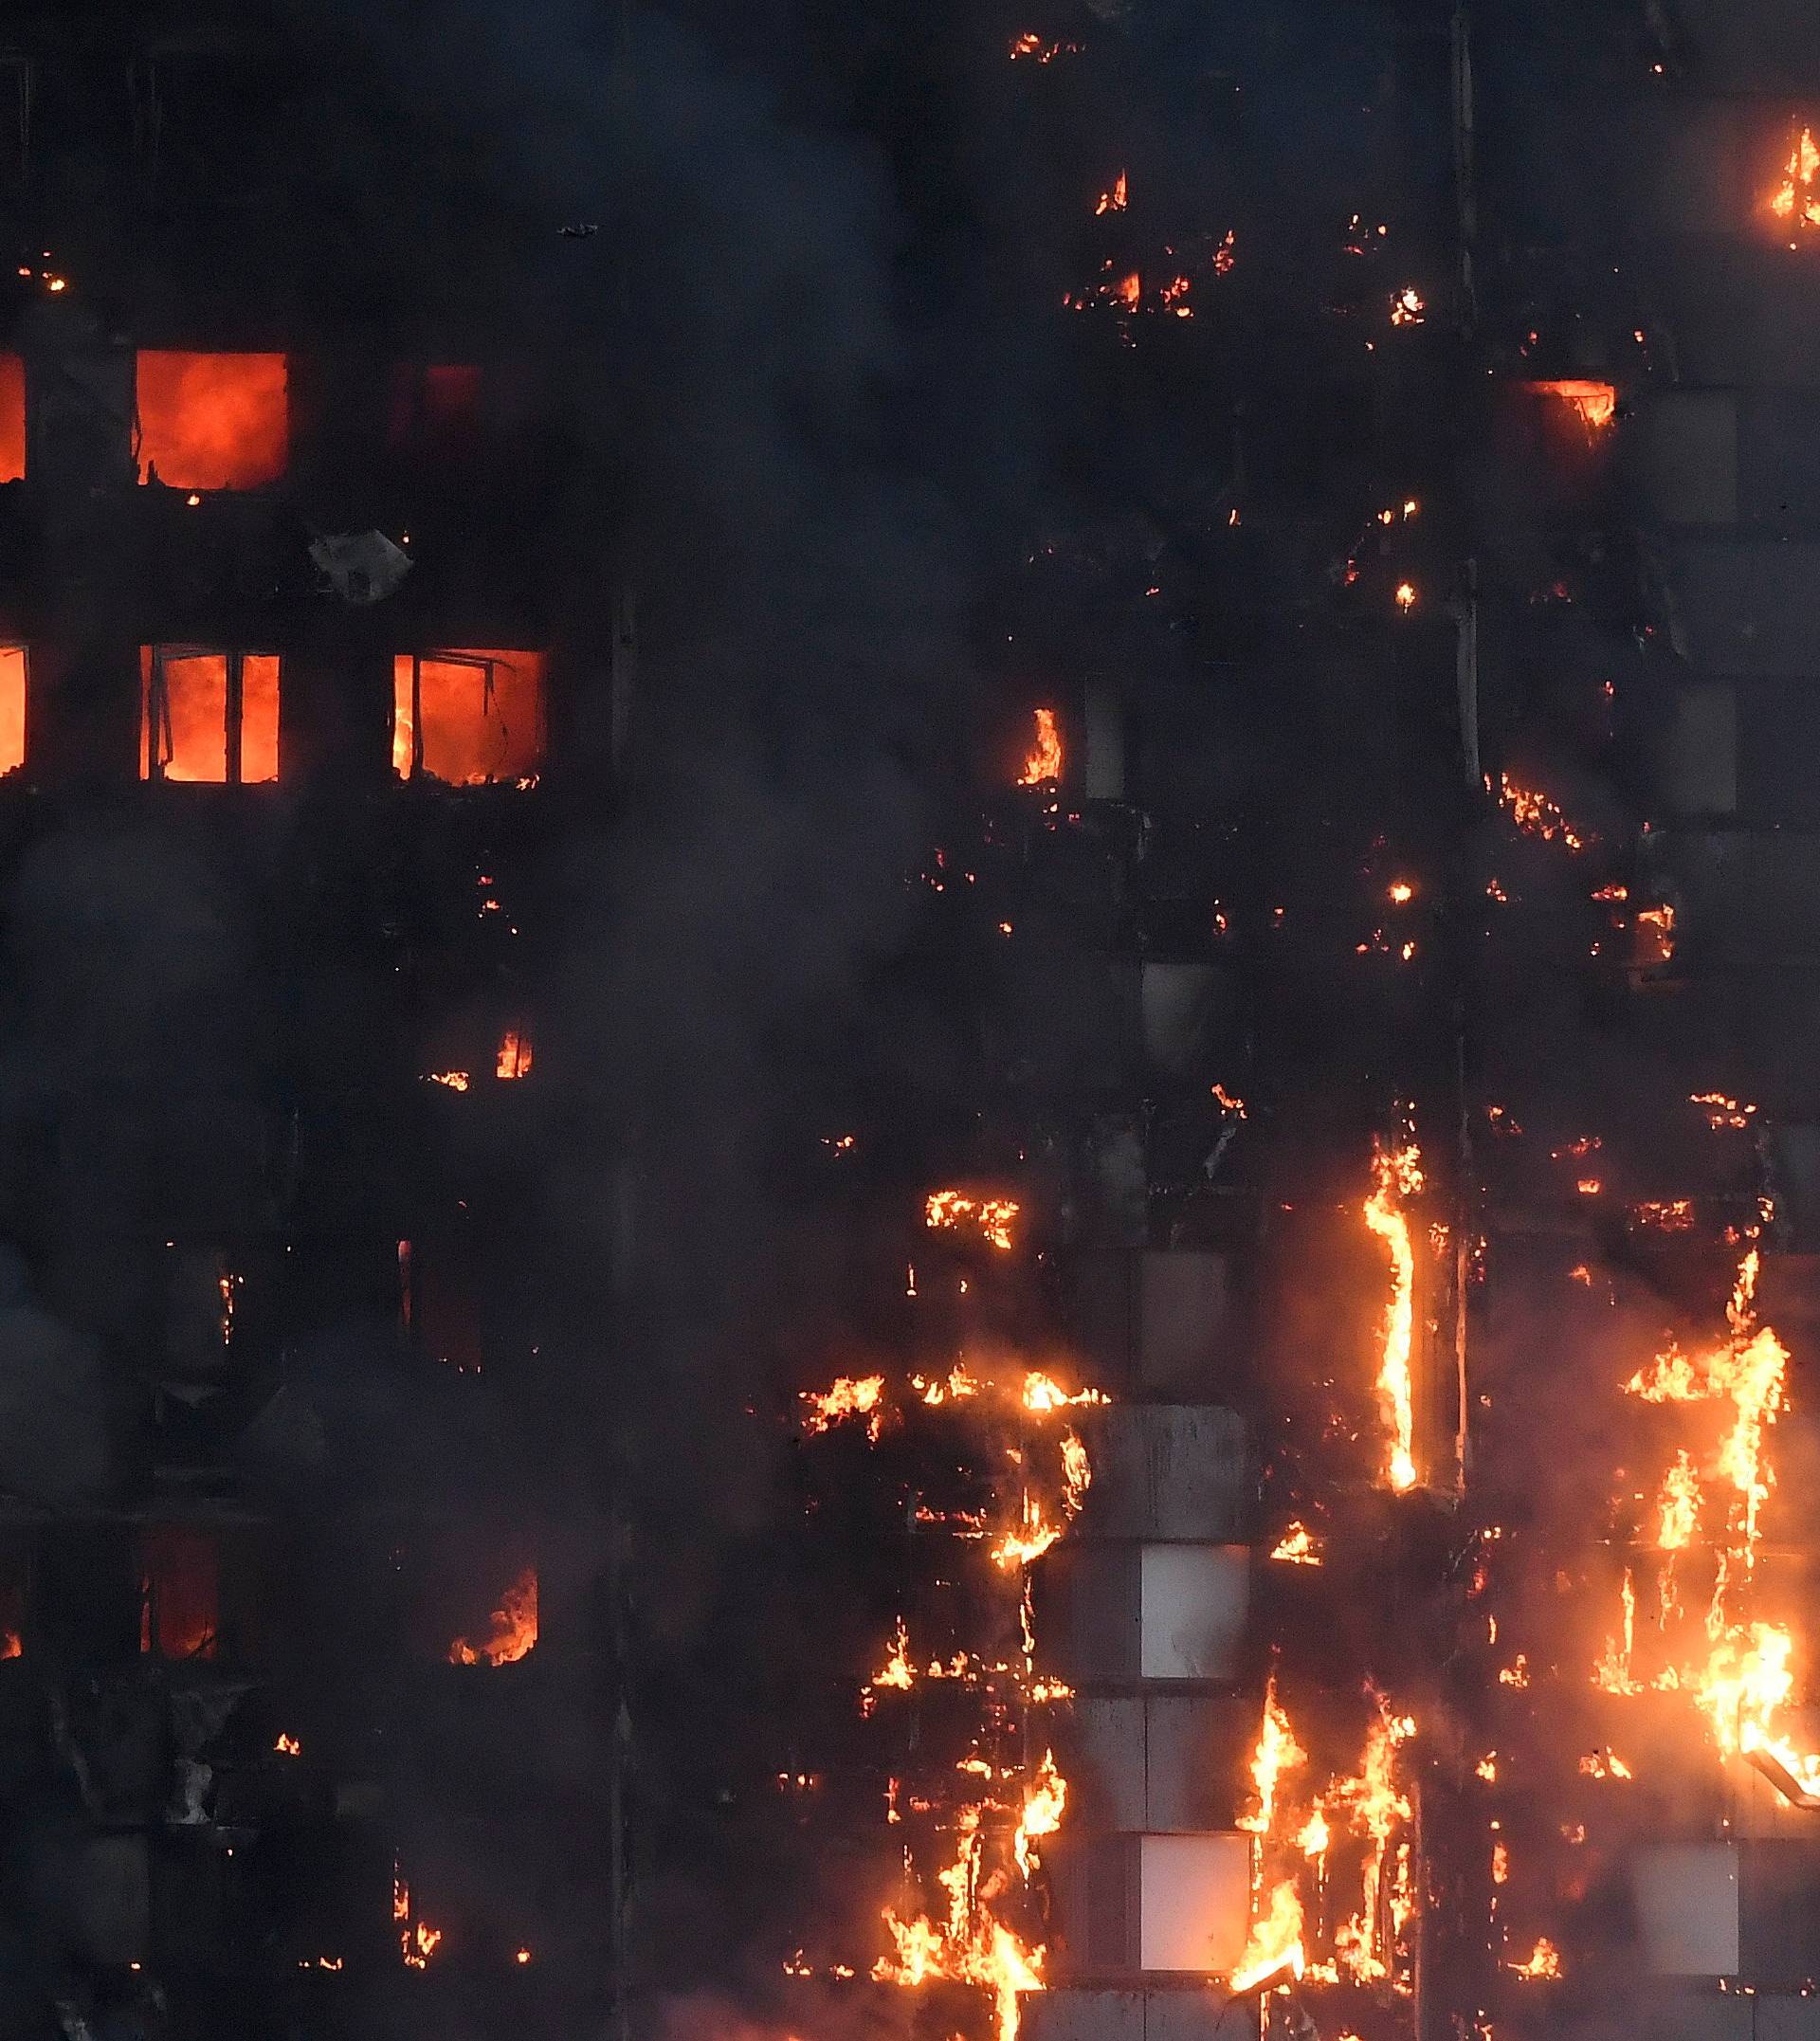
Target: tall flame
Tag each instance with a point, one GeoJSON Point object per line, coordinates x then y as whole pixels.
{"type": "Point", "coordinates": [1396, 1175]}
{"type": "Point", "coordinates": [1042, 766]}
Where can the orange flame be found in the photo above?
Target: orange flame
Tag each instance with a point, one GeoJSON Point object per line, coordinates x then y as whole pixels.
{"type": "Point", "coordinates": [514, 1059]}
{"type": "Point", "coordinates": [1274, 1948]}
{"type": "Point", "coordinates": [1396, 1176]}
{"type": "Point", "coordinates": [1374, 1806]}
{"type": "Point", "coordinates": [1597, 403]}
{"type": "Point", "coordinates": [1042, 766]}
{"type": "Point", "coordinates": [1276, 1752]}
{"type": "Point", "coordinates": [515, 1629]}
{"type": "Point", "coordinates": [1545, 1961]}
{"type": "Point", "coordinates": [846, 1396]}
{"type": "Point", "coordinates": [1298, 1546]}
{"type": "Point", "coordinates": [1535, 814]}
{"type": "Point", "coordinates": [1796, 199]}
{"type": "Point", "coordinates": [991, 1216]}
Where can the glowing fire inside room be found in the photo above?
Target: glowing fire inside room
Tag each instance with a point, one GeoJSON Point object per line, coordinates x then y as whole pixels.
{"type": "Point", "coordinates": [208, 717]}
{"type": "Point", "coordinates": [212, 421]}
{"type": "Point", "coordinates": [466, 718]}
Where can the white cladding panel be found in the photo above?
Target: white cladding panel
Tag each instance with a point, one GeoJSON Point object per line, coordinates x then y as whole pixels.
{"type": "Point", "coordinates": [1687, 1896]}
{"type": "Point", "coordinates": [1193, 1902]}
{"type": "Point", "coordinates": [1193, 1602]}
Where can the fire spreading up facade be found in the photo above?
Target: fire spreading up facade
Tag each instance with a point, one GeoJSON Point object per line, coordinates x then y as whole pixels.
{"type": "Point", "coordinates": [1287, 1505]}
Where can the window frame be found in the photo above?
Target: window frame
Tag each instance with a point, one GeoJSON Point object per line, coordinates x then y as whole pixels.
{"type": "Point", "coordinates": [154, 691]}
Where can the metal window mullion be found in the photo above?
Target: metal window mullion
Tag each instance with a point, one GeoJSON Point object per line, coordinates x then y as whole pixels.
{"type": "Point", "coordinates": [158, 744]}
{"type": "Point", "coordinates": [230, 715]}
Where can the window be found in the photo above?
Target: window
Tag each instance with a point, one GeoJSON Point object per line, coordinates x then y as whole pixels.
{"type": "Point", "coordinates": [435, 406]}
{"type": "Point", "coordinates": [13, 707]}
{"type": "Point", "coordinates": [467, 718]}
{"type": "Point", "coordinates": [208, 715]}
{"type": "Point", "coordinates": [12, 418]}
{"type": "Point", "coordinates": [179, 1592]}
{"type": "Point", "coordinates": [212, 421]}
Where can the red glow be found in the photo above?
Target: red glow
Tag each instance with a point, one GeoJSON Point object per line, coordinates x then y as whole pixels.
{"type": "Point", "coordinates": [12, 418]}
{"type": "Point", "coordinates": [212, 421]}
{"type": "Point", "coordinates": [436, 404]}
{"type": "Point", "coordinates": [479, 715]}
{"type": "Point", "coordinates": [182, 1589]}
{"type": "Point", "coordinates": [186, 732]}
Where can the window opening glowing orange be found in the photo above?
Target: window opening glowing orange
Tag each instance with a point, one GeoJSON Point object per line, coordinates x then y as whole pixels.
{"type": "Point", "coordinates": [13, 707]}
{"type": "Point", "coordinates": [180, 1591]}
{"type": "Point", "coordinates": [12, 418]}
{"type": "Point", "coordinates": [467, 718]}
{"type": "Point", "coordinates": [211, 421]}
{"type": "Point", "coordinates": [208, 717]}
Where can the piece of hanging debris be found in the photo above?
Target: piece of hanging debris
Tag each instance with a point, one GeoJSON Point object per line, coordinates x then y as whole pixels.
{"type": "Point", "coordinates": [360, 567]}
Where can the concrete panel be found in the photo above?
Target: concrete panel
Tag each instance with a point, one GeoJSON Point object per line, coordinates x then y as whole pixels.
{"type": "Point", "coordinates": [1748, 609]}
{"type": "Point", "coordinates": [1740, 312]}
{"type": "Point", "coordinates": [1195, 1902]}
{"type": "Point", "coordinates": [1786, 2017]}
{"type": "Point", "coordinates": [1193, 2014]}
{"type": "Point", "coordinates": [112, 1902]}
{"type": "Point", "coordinates": [1183, 1304]}
{"type": "Point", "coordinates": [1195, 1602]}
{"type": "Point", "coordinates": [1778, 455]}
{"type": "Point", "coordinates": [1068, 2013]}
{"type": "Point", "coordinates": [1686, 458]}
{"type": "Point", "coordinates": [1064, 1018]}
{"type": "Point", "coordinates": [1103, 770]}
{"type": "Point", "coordinates": [1108, 1762]}
{"type": "Point", "coordinates": [1178, 1002]}
{"type": "Point", "coordinates": [1168, 1470]}
{"type": "Point", "coordinates": [1196, 1750]}
{"type": "Point", "coordinates": [1770, 46]}
{"type": "Point", "coordinates": [1099, 1591]}
{"type": "Point", "coordinates": [1121, 1183]}
{"type": "Point", "coordinates": [1702, 2014]}
{"type": "Point", "coordinates": [1687, 1902]}
{"type": "Point", "coordinates": [1698, 764]}
{"type": "Point", "coordinates": [1780, 1887]}
{"type": "Point", "coordinates": [1105, 1316]}
{"type": "Point", "coordinates": [1700, 157]}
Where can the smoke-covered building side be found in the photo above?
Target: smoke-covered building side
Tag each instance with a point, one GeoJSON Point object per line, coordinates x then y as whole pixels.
{"type": "Point", "coordinates": [905, 1118]}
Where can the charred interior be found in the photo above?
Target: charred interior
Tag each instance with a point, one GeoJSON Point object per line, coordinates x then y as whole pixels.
{"type": "Point", "coordinates": [908, 920]}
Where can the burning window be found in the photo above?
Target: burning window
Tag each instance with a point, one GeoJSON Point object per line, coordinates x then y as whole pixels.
{"type": "Point", "coordinates": [435, 406]}
{"type": "Point", "coordinates": [179, 1592]}
{"type": "Point", "coordinates": [208, 715]}
{"type": "Point", "coordinates": [510, 1632]}
{"type": "Point", "coordinates": [1595, 404]}
{"type": "Point", "coordinates": [12, 418]}
{"type": "Point", "coordinates": [13, 707]}
{"type": "Point", "coordinates": [212, 421]}
{"type": "Point", "coordinates": [467, 718]}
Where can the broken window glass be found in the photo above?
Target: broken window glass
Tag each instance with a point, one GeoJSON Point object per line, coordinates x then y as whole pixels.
{"type": "Point", "coordinates": [208, 715]}
{"type": "Point", "coordinates": [211, 421]}
{"type": "Point", "coordinates": [467, 718]}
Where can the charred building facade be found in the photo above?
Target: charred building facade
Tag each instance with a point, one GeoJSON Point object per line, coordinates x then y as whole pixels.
{"type": "Point", "coordinates": [905, 1114]}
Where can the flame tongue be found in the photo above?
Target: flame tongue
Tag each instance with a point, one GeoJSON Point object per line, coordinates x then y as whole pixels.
{"type": "Point", "coordinates": [1396, 1176]}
